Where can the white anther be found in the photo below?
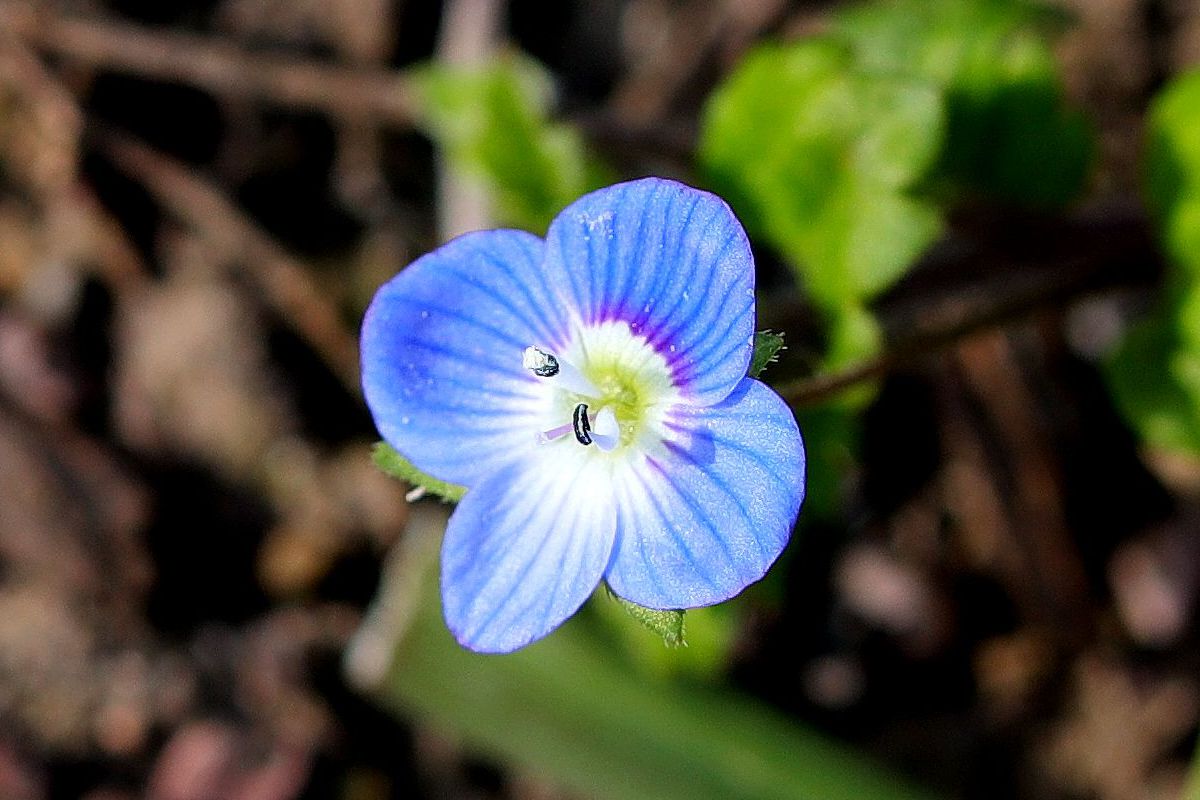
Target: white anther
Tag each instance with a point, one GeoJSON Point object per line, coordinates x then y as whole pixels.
{"type": "Point", "coordinates": [606, 432]}
{"type": "Point", "coordinates": [564, 374]}
{"type": "Point", "coordinates": [543, 364]}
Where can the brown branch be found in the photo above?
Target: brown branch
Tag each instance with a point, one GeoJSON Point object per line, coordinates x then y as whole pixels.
{"type": "Point", "coordinates": [220, 68]}
{"type": "Point", "coordinates": [1085, 257]}
{"type": "Point", "coordinates": [43, 156]}
{"type": "Point", "coordinates": [283, 280]}
{"type": "Point", "coordinates": [470, 32]}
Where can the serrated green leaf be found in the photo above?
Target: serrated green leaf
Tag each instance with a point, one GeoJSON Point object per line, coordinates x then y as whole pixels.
{"type": "Point", "coordinates": [397, 466]}
{"type": "Point", "coordinates": [767, 345]}
{"type": "Point", "coordinates": [493, 122]}
{"type": "Point", "coordinates": [667, 624]}
{"type": "Point", "coordinates": [1009, 133]}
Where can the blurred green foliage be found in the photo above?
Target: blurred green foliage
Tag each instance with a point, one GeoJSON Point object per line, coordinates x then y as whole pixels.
{"type": "Point", "coordinates": [570, 709]}
{"type": "Point", "coordinates": [1172, 173]}
{"type": "Point", "coordinates": [819, 159]}
{"type": "Point", "coordinates": [1009, 135]}
{"type": "Point", "coordinates": [842, 150]}
{"type": "Point", "coordinates": [492, 122]}
{"type": "Point", "coordinates": [1153, 376]}
{"type": "Point", "coordinates": [1154, 373]}
{"type": "Point", "coordinates": [709, 636]}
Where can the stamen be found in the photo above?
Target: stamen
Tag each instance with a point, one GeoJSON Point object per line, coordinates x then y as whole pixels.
{"type": "Point", "coordinates": [545, 437]}
{"type": "Point", "coordinates": [583, 428]}
{"type": "Point", "coordinates": [543, 364]}
{"type": "Point", "coordinates": [566, 376]}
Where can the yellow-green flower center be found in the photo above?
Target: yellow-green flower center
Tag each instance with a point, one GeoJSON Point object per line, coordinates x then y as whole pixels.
{"type": "Point", "coordinates": [615, 374]}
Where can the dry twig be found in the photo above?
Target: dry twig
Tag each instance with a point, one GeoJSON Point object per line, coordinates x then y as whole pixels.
{"type": "Point", "coordinates": [215, 66]}
{"type": "Point", "coordinates": [283, 279]}
{"type": "Point", "coordinates": [1116, 249]}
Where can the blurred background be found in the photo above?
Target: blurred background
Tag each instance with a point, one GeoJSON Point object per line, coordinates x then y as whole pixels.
{"type": "Point", "coordinates": [977, 225]}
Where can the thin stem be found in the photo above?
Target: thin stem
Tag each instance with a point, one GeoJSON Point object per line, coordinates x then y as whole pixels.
{"type": "Point", "coordinates": [283, 279]}
{"type": "Point", "coordinates": [212, 65]}
{"type": "Point", "coordinates": [1097, 256]}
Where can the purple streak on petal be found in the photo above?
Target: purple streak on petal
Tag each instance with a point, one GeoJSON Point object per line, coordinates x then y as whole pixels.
{"type": "Point", "coordinates": [700, 523]}
{"type": "Point", "coordinates": [633, 251]}
{"type": "Point", "coordinates": [686, 372]}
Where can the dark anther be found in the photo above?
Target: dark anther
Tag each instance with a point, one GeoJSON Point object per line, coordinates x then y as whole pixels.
{"type": "Point", "coordinates": [583, 426]}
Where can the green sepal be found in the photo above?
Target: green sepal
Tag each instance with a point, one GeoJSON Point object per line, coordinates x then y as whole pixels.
{"type": "Point", "coordinates": [397, 466]}
{"type": "Point", "coordinates": [667, 624]}
{"type": "Point", "coordinates": [767, 345]}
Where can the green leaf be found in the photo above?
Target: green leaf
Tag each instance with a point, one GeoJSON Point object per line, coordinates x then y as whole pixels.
{"type": "Point", "coordinates": [767, 345]}
{"type": "Point", "coordinates": [1154, 372]}
{"type": "Point", "coordinates": [1153, 378]}
{"type": "Point", "coordinates": [1009, 133]}
{"type": "Point", "coordinates": [1172, 171]}
{"type": "Point", "coordinates": [667, 624]}
{"type": "Point", "coordinates": [854, 336]}
{"type": "Point", "coordinates": [492, 122]}
{"type": "Point", "coordinates": [819, 158]}
{"type": "Point", "coordinates": [391, 462]}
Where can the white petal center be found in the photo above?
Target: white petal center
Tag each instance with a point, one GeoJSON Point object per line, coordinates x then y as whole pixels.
{"type": "Point", "coordinates": [608, 387]}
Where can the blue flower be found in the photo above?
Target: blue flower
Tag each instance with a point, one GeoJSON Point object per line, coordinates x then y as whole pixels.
{"type": "Point", "coordinates": [590, 391]}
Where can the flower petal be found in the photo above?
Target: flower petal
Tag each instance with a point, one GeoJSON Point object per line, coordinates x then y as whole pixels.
{"type": "Point", "coordinates": [671, 261]}
{"type": "Point", "coordinates": [710, 516]}
{"type": "Point", "coordinates": [441, 353]}
{"type": "Point", "coordinates": [524, 549]}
